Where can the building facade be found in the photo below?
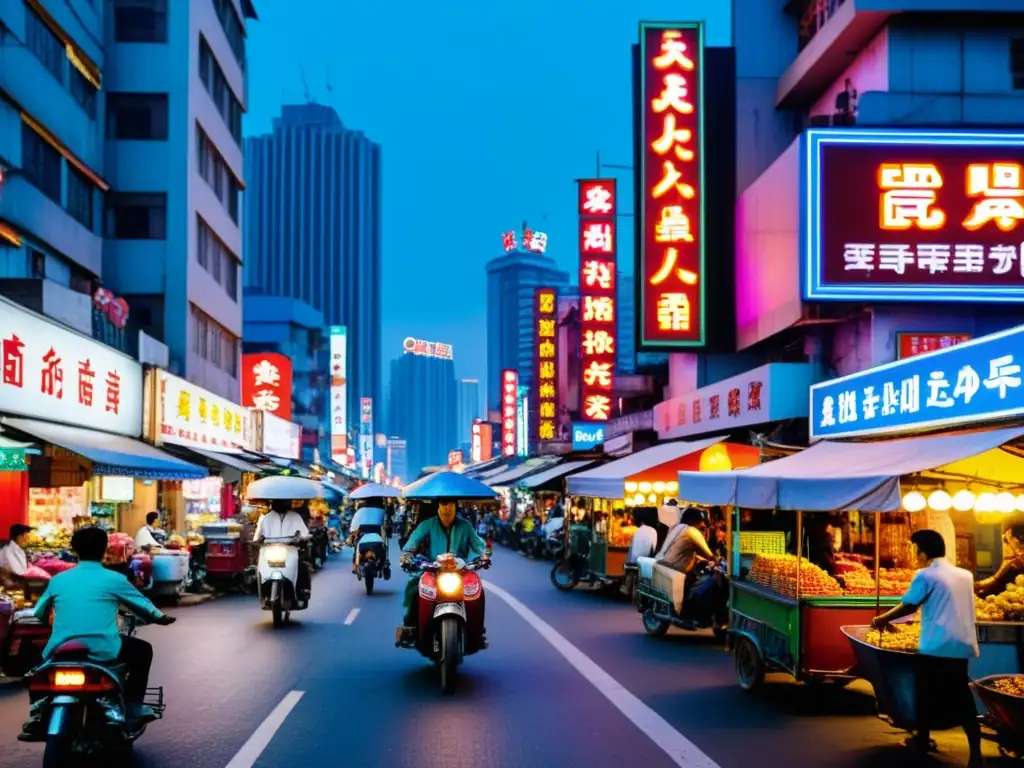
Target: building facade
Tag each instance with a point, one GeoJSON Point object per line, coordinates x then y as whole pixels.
{"type": "Point", "coordinates": [396, 463]}
{"type": "Point", "coordinates": [294, 329]}
{"type": "Point", "coordinates": [511, 282]}
{"type": "Point", "coordinates": [423, 403]}
{"type": "Point", "coordinates": [313, 212]}
{"type": "Point", "coordinates": [469, 408]}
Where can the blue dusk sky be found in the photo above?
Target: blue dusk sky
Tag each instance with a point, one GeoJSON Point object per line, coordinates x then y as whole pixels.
{"type": "Point", "coordinates": [486, 113]}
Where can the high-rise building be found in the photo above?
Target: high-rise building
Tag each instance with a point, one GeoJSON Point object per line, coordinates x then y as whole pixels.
{"type": "Point", "coordinates": [469, 411]}
{"type": "Point", "coordinates": [313, 232]}
{"type": "Point", "coordinates": [423, 408]}
{"type": "Point", "coordinates": [626, 319]}
{"type": "Point", "coordinates": [511, 282]}
{"type": "Point", "coordinates": [397, 463]}
{"type": "Point", "coordinates": [175, 87]}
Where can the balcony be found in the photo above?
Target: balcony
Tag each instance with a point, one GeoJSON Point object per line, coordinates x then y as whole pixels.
{"type": "Point", "coordinates": [48, 298]}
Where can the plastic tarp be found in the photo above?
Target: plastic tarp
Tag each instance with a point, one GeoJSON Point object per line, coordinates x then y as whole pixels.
{"type": "Point", "coordinates": [510, 476]}
{"type": "Point", "coordinates": [111, 454]}
{"type": "Point", "coordinates": [608, 481]}
{"type": "Point", "coordinates": [539, 479]}
{"type": "Point", "coordinates": [836, 476]}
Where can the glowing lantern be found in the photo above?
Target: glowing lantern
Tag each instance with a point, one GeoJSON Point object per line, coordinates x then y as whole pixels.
{"type": "Point", "coordinates": [630, 486]}
{"type": "Point", "coordinates": [914, 501]}
{"type": "Point", "coordinates": [963, 501]}
{"type": "Point", "coordinates": [659, 487]}
{"type": "Point", "coordinates": [639, 498]}
{"type": "Point", "coordinates": [986, 502]}
{"type": "Point", "coordinates": [1020, 503]}
{"type": "Point", "coordinates": [672, 486]}
{"type": "Point", "coordinates": [1006, 502]}
{"type": "Point", "coordinates": [940, 501]}
{"type": "Point", "coordinates": [715, 459]}
{"type": "Point", "coordinates": [645, 487]}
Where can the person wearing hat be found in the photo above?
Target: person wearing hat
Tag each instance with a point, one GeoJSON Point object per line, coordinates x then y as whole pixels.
{"type": "Point", "coordinates": [12, 557]}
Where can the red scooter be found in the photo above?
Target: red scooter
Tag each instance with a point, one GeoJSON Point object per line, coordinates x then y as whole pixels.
{"type": "Point", "coordinates": [451, 612]}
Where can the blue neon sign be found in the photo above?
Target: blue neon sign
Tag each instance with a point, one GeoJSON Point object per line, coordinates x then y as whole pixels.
{"type": "Point", "coordinates": [974, 381]}
{"type": "Point", "coordinates": [586, 436]}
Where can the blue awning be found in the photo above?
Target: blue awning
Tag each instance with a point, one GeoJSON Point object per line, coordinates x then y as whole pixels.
{"type": "Point", "coordinates": [110, 454]}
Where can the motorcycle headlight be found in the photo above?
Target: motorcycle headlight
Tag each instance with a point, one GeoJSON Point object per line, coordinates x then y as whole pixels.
{"type": "Point", "coordinates": [449, 583]}
{"type": "Point", "coordinates": [277, 555]}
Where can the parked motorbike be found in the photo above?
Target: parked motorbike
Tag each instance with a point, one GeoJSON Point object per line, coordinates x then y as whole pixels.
{"type": "Point", "coordinates": [705, 606]}
{"type": "Point", "coordinates": [23, 644]}
{"type": "Point", "coordinates": [451, 612]}
{"type": "Point", "coordinates": [82, 704]}
{"type": "Point", "coordinates": [319, 547]}
{"type": "Point", "coordinates": [277, 578]}
{"type": "Point", "coordinates": [373, 560]}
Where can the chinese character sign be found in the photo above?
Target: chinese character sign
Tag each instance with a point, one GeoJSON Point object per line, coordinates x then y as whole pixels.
{"type": "Point", "coordinates": [909, 215]}
{"type": "Point", "coordinates": [914, 344]}
{"type": "Point", "coordinates": [339, 394]}
{"type": "Point", "coordinates": [509, 411]}
{"type": "Point", "coordinates": [967, 382]}
{"type": "Point", "coordinates": [670, 260]}
{"type": "Point", "coordinates": [366, 435]}
{"type": "Point", "coordinates": [267, 383]}
{"type": "Point", "coordinates": [481, 443]}
{"type": "Point", "coordinates": [413, 346]}
{"type": "Point", "coordinates": [597, 208]}
{"type": "Point", "coordinates": [545, 363]}
{"type": "Point", "coordinates": [193, 417]}
{"type": "Point", "coordinates": [530, 240]}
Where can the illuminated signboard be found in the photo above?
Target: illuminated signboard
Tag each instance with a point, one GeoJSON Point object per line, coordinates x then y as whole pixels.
{"type": "Point", "coordinates": [267, 383]}
{"type": "Point", "coordinates": [531, 240]}
{"type": "Point", "coordinates": [545, 310]}
{"type": "Point", "coordinates": [597, 207]}
{"type": "Point", "coordinates": [913, 344]}
{"type": "Point", "coordinates": [670, 260]}
{"type": "Point", "coordinates": [911, 215]}
{"type": "Point", "coordinates": [415, 346]}
{"type": "Point", "coordinates": [339, 394]}
{"type": "Point", "coordinates": [586, 436]}
{"type": "Point", "coordinates": [481, 445]}
{"type": "Point", "coordinates": [454, 459]}
{"type": "Point", "coordinates": [366, 436]}
{"type": "Point", "coordinates": [509, 411]}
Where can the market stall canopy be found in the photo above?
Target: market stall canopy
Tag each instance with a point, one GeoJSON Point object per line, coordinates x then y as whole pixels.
{"type": "Point", "coordinates": [608, 481]}
{"type": "Point", "coordinates": [111, 454]}
{"type": "Point", "coordinates": [561, 470]}
{"type": "Point", "coordinates": [835, 476]}
{"type": "Point", "coordinates": [509, 476]}
{"type": "Point", "coordinates": [284, 487]}
{"type": "Point", "coordinates": [333, 488]}
{"type": "Point", "coordinates": [375, 491]}
{"type": "Point", "coordinates": [448, 485]}
{"type": "Point", "coordinates": [473, 470]}
{"type": "Point", "coordinates": [226, 460]}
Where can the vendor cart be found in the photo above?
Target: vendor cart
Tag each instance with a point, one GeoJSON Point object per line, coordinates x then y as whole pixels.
{"type": "Point", "coordinates": [228, 555]}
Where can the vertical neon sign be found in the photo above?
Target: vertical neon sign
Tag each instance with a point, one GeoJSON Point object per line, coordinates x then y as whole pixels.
{"type": "Point", "coordinates": [509, 411]}
{"type": "Point", "coordinates": [545, 310]}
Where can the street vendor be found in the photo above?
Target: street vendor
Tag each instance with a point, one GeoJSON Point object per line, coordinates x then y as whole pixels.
{"type": "Point", "coordinates": [945, 596]}
{"type": "Point", "coordinates": [1013, 562]}
{"type": "Point", "coordinates": [12, 557]}
{"type": "Point", "coordinates": [145, 539]}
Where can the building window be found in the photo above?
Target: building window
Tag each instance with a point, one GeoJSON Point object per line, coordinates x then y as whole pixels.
{"type": "Point", "coordinates": [216, 84]}
{"type": "Point", "coordinates": [84, 92]}
{"type": "Point", "coordinates": [213, 168]}
{"type": "Point", "coordinates": [1017, 62]}
{"type": "Point", "coordinates": [44, 43]}
{"type": "Point", "coordinates": [140, 21]}
{"type": "Point", "coordinates": [137, 216]}
{"type": "Point", "coordinates": [205, 63]}
{"type": "Point", "coordinates": [40, 162]}
{"type": "Point", "coordinates": [215, 257]}
{"type": "Point", "coordinates": [138, 116]}
{"type": "Point", "coordinates": [233, 29]}
{"type": "Point", "coordinates": [80, 197]}
{"type": "Point", "coordinates": [214, 343]}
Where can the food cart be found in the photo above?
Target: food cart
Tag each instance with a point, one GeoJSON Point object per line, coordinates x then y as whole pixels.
{"type": "Point", "coordinates": [600, 527]}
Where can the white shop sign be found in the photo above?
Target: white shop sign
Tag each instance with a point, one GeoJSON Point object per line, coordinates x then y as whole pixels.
{"type": "Point", "coordinates": [193, 417]}
{"type": "Point", "coordinates": [281, 437]}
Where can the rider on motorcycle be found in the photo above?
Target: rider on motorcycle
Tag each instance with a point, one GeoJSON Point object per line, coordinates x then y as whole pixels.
{"type": "Point", "coordinates": [445, 533]}
{"type": "Point", "coordinates": [84, 602]}
{"type": "Point", "coordinates": [367, 519]}
{"type": "Point", "coordinates": [282, 522]}
{"type": "Point", "coordinates": [686, 545]}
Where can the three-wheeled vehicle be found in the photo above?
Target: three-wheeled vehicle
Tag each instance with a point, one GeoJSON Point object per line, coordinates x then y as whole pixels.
{"type": "Point", "coordinates": [597, 540]}
{"type": "Point", "coordinates": [280, 558]}
{"type": "Point", "coordinates": [451, 597]}
{"type": "Point", "coordinates": [372, 558]}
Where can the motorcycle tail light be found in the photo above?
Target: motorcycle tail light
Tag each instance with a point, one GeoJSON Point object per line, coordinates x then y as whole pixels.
{"type": "Point", "coordinates": [69, 678]}
{"type": "Point", "coordinates": [73, 680]}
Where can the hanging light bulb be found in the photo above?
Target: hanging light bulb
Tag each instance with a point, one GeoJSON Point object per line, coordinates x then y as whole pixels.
{"type": "Point", "coordinates": [645, 487]}
{"type": "Point", "coordinates": [659, 487]}
{"type": "Point", "coordinates": [1006, 502]}
{"type": "Point", "coordinates": [914, 501]}
{"type": "Point", "coordinates": [652, 498]}
{"type": "Point", "coordinates": [963, 501]}
{"type": "Point", "coordinates": [1020, 503]}
{"type": "Point", "coordinates": [639, 498]}
{"type": "Point", "coordinates": [672, 486]}
{"type": "Point", "coordinates": [940, 501]}
{"type": "Point", "coordinates": [986, 502]}
{"type": "Point", "coordinates": [630, 486]}
{"type": "Point", "coordinates": [630, 502]}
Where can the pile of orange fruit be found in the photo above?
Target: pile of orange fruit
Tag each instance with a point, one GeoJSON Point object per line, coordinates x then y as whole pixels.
{"type": "Point", "coordinates": [778, 573]}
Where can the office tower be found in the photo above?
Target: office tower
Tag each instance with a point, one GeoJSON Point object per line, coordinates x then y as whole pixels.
{"type": "Point", "coordinates": [469, 410]}
{"type": "Point", "coordinates": [422, 408]}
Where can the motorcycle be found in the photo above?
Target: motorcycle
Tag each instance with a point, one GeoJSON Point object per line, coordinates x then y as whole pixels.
{"type": "Point", "coordinates": [531, 543]}
{"type": "Point", "coordinates": [373, 560]}
{"type": "Point", "coordinates": [82, 704]}
{"type": "Point", "coordinates": [451, 615]}
{"type": "Point", "coordinates": [23, 645]}
{"type": "Point", "coordinates": [705, 606]}
{"type": "Point", "coordinates": [277, 576]}
{"type": "Point", "coordinates": [319, 546]}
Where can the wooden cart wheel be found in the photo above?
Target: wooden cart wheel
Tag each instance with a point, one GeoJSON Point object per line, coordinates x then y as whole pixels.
{"type": "Point", "coordinates": [749, 664]}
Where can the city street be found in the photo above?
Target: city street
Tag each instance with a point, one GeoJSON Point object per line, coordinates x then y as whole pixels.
{"type": "Point", "coordinates": [569, 680]}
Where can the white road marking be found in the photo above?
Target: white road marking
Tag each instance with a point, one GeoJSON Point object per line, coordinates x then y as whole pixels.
{"type": "Point", "coordinates": [680, 750]}
{"type": "Point", "coordinates": [351, 616]}
{"type": "Point", "coordinates": [257, 743]}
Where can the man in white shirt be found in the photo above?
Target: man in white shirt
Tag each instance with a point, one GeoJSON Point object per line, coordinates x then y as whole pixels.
{"type": "Point", "coordinates": [283, 522]}
{"type": "Point", "coordinates": [145, 538]}
{"type": "Point", "coordinates": [645, 538]}
{"type": "Point", "coordinates": [12, 557]}
{"type": "Point", "coordinates": [949, 640]}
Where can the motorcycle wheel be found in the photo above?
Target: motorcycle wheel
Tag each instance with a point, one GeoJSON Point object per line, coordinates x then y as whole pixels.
{"type": "Point", "coordinates": [654, 626]}
{"type": "Point", "coordinates": [369, 583]}
{"type": "Point", "coordinates": [58, 751]}
{"type": "Point", "coordinates": [449, 654]}
{"type": "Point", "coordinates": [564, 577]}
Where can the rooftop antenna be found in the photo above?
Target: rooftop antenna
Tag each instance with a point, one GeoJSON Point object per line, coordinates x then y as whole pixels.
{"type": "Point", "coordinates": [305, 85]}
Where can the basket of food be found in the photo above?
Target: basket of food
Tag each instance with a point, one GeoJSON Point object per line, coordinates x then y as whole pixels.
{"type": "Point", "coordinates": [1003, 697]}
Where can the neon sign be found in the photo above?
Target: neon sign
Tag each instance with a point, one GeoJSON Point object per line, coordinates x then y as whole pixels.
{"type": "Point", "coordinates": [670, 269]}
{"type": "Point", "coordinates": [597, 207]}
{"type": "Point", "coordinates": [914, 344]}
{"type": "Point", "coordinates": [545, 309]}
{"type": "Point", "coordinates": [415, 346]}
{"type": "Point", "coordinates": [531, 240]}
{"type": "Point", "coordinates": [911, 215]}
{"type": "Point", "coordinates": [509, 411]}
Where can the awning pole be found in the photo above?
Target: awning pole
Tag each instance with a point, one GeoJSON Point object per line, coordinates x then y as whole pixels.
{"type": "Point", "coordinates": [799, 548]}
{"type": "Point", "coordinates": [878, 563]}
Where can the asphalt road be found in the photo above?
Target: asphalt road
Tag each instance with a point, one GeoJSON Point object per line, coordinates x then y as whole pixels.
{"type": "Point", "coordinates": [570, 679]}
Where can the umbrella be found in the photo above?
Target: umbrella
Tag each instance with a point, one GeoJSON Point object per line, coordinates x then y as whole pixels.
{"type": "Point", "coordinates": [448, 485]}
{"type": "Point", "coordinates": [284, 487]}
{"type": "Point", "coordinates": [375, 491]}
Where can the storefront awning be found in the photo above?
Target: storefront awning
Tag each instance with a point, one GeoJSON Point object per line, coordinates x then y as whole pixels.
{"type": "Point", "coordinates": [835, 476]}
{"type": "Point", "coordinates": [561, 470]}
{"type": "Point", "coordinates": [608, 481]}
{"type": "Point", "coordinates": [226, 459]}
{"type": "Point", "coordinates": [111, 454]}
{"type": "Point", "coordinates": [509, 477]}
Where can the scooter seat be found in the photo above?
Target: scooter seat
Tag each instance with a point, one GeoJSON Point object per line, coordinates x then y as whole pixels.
{"type": "Point", "coordinates": [671, 582]}
{"type": "Point", "coordinates": [370, 538]}
{"type": "Point", "coordinates": [71, 651]}
{"type": "Point", "coordinates": [645, 567]}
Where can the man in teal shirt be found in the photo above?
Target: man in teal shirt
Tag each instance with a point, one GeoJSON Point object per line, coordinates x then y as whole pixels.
{"type": "Point", "coordinates": [84, 601]}
{"type": "Point", "coordinates": [435, 537]}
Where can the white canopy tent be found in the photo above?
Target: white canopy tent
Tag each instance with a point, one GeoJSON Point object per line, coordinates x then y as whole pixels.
{"type": "Point", "coordinates": [509, 476]}
{"type": "Point", "coordinates": [608, 481]}
{"type": "Point", "coordinates": [837, 476]}
{"type": "Point", "coordinates": [539, 479]}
